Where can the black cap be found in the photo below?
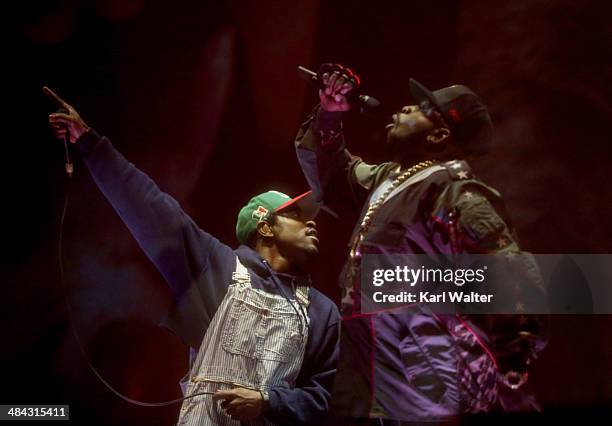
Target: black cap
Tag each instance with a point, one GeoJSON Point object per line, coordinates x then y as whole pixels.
{"type": "Point", "coordinates": [464, 112]}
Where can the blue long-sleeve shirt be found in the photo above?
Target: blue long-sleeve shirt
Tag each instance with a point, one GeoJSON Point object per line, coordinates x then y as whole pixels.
{"type": "Point", "coordinates": [198, 268]}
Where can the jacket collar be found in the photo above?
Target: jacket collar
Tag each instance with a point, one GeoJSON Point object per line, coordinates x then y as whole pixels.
{"type": "Point", "coordinates": [253, 261]}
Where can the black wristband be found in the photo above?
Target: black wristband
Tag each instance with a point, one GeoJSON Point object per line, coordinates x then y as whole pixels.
{"type": "Point", "coordinates": [328, 121]}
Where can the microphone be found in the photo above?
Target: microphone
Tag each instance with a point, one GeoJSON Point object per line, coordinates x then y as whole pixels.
{"type": "Point", "coordinates": [68, 166]}
{"type": "Point", "coordinates": [367, 104]}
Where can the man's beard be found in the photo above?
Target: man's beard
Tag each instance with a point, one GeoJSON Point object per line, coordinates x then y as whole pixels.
{"type": "Point", "coordinates": [408, 149]}
{"type": "Point", "coordinates": [400, 147]}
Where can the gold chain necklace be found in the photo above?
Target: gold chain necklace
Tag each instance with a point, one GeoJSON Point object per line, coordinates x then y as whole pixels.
{"type": "Point", "coordinates": [355, 252]}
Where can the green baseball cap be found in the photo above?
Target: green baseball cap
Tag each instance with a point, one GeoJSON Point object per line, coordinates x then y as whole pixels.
{"type": "Point", "coordinates": [259, 207]}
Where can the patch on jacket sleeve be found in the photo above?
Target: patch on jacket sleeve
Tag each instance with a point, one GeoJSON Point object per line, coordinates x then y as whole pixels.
{"type": "Point", "coordinates": [481, 223]}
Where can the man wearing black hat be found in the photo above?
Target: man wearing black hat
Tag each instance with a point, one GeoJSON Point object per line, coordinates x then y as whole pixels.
{"type": "Point", "coordinates": [404, 364]}
{"type": "Point", "coordinates": [263, 342]}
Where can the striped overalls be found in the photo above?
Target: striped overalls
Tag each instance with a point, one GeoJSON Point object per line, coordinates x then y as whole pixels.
{"type": "Point", "coordinates": [255, 340]}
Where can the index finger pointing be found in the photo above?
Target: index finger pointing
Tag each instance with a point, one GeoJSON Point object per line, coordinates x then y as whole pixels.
{"type": "Point", "coordinates": [55, 97]}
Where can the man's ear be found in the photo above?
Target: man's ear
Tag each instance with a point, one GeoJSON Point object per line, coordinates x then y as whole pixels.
{"type": "Point", "coordinates": [438, 135]}
{"type": "Point", "coordinates": [264, 229]}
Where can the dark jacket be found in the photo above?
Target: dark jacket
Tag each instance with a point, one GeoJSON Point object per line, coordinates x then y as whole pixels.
{"type": "Point", "coordinates": [449, 211]}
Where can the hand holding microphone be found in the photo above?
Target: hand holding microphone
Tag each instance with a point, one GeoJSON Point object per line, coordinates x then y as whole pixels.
{"type": "Point", "coordinates": [339, 89]}
{"type": "Point", "coordinates": [66, 124]}
{"type": "Point", "coordinates": [66, 121]}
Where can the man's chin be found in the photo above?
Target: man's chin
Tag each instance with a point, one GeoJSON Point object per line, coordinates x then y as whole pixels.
{"type": "Point", "coordinates": [394, 144]}
{"type": "Point", "coordinates": [306, 258]}
{"type": "Point", "coordinates": [312, 251]}
{"type": "Point", "coordinates": [399, 145]}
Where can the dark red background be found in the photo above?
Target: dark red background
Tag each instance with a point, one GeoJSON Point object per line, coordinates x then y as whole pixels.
{"type": "Point", "coordinates": [205, 98]}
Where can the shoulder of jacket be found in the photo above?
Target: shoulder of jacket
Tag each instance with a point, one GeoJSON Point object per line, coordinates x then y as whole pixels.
{"type": "Point", "coordinates": [458, 170]}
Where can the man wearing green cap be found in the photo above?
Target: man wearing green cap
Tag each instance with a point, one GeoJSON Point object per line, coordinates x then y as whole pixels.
{"type": "Point", "coordinates": [425, 200]}
{"type": "Point", "coordinates": [263, 342]}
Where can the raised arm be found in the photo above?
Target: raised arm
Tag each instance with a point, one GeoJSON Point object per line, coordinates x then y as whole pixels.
{"type": "Point", "coordinates": [340, 181]}
{"type": "Point", "coordinates": [168, 236]}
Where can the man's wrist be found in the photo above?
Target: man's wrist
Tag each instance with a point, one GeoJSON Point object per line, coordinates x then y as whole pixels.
{"type": "Point", "coordinates": [86, 142]}
{"type": "Point", "coordinates": [328, 120]}
{"type": "Point", "coordinates": [328, 126]}
{"type": "Point", "coordinates": [85, 129]}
